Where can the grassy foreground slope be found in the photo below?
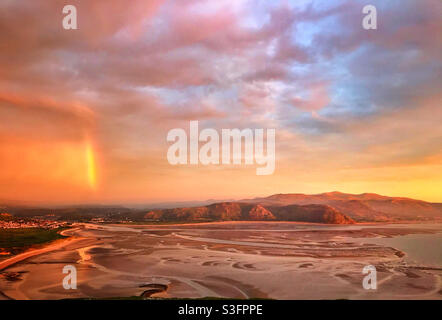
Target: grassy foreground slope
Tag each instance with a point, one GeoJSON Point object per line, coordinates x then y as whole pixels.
{"type": "Point", "coordinates": [15, 241]}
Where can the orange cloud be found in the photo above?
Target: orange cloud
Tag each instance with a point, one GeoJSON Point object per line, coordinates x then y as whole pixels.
{"type": "Point", "coordinates": [47, 170]}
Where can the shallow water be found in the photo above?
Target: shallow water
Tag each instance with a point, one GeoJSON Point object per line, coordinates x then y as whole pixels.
{"type": "Point", "coordinates": [422, 249]}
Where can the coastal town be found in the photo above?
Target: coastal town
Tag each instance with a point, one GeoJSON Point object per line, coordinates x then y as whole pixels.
{"type": "Point", "coordinates": [7, 221]}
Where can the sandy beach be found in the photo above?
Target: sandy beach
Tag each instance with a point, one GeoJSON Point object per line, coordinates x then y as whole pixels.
{"type": "Point", "coordinates": [277, 260]}
{"type": "Point", "coordinates": [54, 245]}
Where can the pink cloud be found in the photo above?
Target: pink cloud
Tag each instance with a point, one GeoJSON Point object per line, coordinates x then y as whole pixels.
{"type": "Point", "coordinates": [318, 98]}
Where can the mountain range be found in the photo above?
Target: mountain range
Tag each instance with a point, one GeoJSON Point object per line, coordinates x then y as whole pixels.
{"type": "Point", "coordinates": [331, 207]}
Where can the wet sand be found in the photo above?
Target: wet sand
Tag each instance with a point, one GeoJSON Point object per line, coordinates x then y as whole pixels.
{"type": "Point", "coordinates": [279, 260]}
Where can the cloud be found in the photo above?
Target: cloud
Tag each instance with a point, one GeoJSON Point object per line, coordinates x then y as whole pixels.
{"type": "Point", "coordinates": [131, 72]}
{"type": "Point", "coordinates": [317, 98]}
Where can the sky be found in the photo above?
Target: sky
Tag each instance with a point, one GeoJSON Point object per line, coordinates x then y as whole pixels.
{"type": "Point", "coordinates": [84, 114]}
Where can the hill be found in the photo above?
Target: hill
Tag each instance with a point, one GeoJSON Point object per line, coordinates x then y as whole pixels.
{"type": "Point", "coordinates": [361, 207]}
{"type": "Point", "coordinates": [236, 211]}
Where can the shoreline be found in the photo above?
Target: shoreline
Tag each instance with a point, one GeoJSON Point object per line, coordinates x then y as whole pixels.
{"type": "Point", "coordinates": [268, 222]}
{"type": "Point", "coordinates": [31, 252]}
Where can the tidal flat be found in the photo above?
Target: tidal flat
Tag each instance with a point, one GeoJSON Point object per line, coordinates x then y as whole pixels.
{"type": "Point", "coordinates": [274, 260]}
